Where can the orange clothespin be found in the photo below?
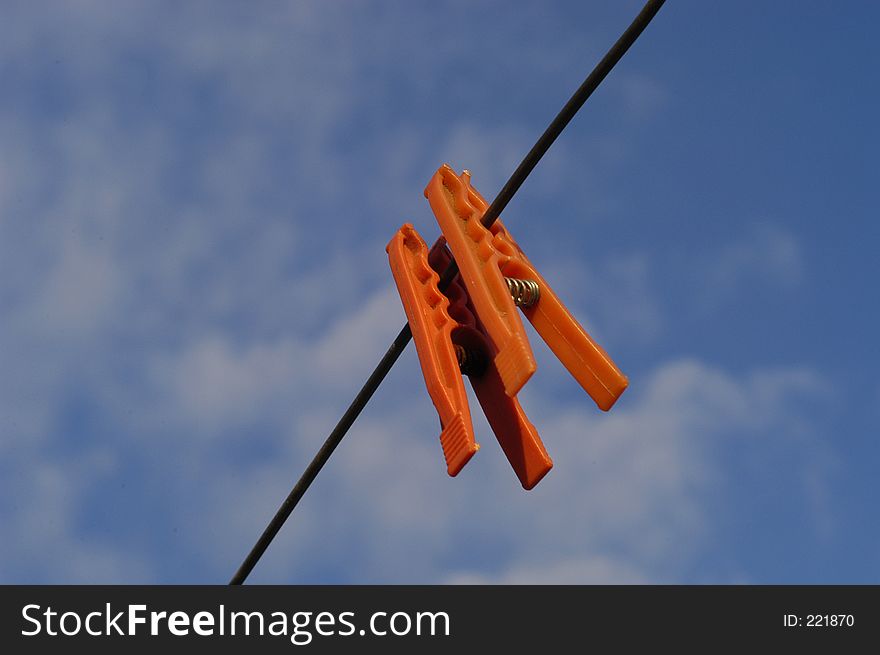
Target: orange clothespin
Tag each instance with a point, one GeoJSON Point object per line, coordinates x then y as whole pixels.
{"type": "Point", "coordinates": [473, 328]}
{"type": "Point", "coordinates": [450, 340]}
{"type": "Point", "coordinates": [436, 335]}
{"type": "Point", "coordinates": [490, 262]}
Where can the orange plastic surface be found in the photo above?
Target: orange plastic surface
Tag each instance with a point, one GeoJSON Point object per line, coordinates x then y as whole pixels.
{"type": "Point", "coordinates": [485, 256]}
{"type": "Point", "coordinates": [432, 328]}
{"type": "Point", "coordinates": [515, 433]}
{"type": "Point", "coordinates": [458, 209]}
{"type": "Point", "coordinates": [588, 363]}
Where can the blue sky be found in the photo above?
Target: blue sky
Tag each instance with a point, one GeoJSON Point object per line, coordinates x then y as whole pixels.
{"type": "Point", "coordinates": [194, 204]}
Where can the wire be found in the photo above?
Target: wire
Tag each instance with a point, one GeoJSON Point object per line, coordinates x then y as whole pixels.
{"type": "Point", "coordinates": [403, 338]}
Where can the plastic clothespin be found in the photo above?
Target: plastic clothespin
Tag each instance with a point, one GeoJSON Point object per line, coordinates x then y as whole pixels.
{"type": "Point", "coordinates": [449, 338]}
{"type": "Point", "coordinates": [485, 257]}
{"type": "Point", "coordinates": [473, 327]}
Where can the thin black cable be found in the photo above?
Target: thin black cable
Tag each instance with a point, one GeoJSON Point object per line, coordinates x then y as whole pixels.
{"type": "Point", "coordinates": [403, 338]}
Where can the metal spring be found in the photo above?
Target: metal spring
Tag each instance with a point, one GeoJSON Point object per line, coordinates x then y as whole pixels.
{"type": "Point", "coordinates": [525, 293]}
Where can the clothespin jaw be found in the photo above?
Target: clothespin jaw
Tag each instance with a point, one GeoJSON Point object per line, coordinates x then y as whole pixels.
{"type": "Point", "coordinates": [486, 256]}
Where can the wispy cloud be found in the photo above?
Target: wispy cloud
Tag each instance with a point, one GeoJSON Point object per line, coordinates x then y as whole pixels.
{"type": "Point", "coordinates": [642, 96]}
{"type": "Point", "coordinates": [613, 296]}
{"type": "Point", "coordinates": [633, 496]}
{"type": "Point", "coordinates": [766, 255]}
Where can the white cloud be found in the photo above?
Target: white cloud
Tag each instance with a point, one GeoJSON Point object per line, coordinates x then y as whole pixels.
{"type": "Point", "coordinates": [351, 347]}
{"type": "Point", "coordinates": [766, 255]}
{"type": "Point", "coordinates": [628, 499]}
{"type": "Point", "coordinates": [592, 570]}
{"type": "Point", "coordinates": [213, 383]}
{"type": "Point", "coordinates": [80, 291]}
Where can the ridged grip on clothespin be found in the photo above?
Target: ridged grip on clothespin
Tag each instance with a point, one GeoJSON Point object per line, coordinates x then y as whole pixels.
{"type": "Point", "coordinates": [432, 328]}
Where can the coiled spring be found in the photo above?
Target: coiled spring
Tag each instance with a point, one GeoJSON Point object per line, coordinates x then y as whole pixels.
{"type": "Point", "coordinates": [525, 293]}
